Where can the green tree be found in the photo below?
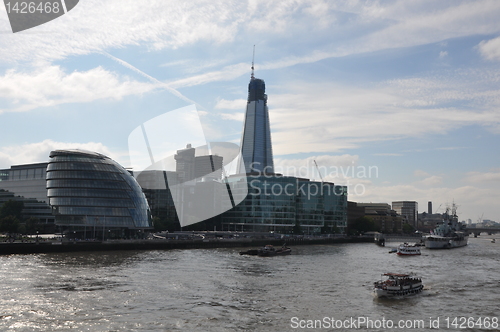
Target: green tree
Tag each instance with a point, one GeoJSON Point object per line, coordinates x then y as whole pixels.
{"type": "Point", "coordinates": [9, 224]}
{"type": "Point", "coordinates": [12, 208]}
{"type": "Point", "coordinates": [362, 225]}
{"type": "Point", "coordinates": [408, 229]}
{"type": "Point", "coordinates": [31, 225]}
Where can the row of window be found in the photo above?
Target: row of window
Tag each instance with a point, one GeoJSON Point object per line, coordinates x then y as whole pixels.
{"type": "Point", "coordinates": [60, 183]}
{"type": "Point", "coordinates": [82, 159]}
{"type": "Point", "coordinates": [103, 212]}
{"type": "Point", "coordinates": [81, 167]}
{"type": "Point", "coordinates": [82, 192]}
{"type": "Point", "coordinates": [84, 175]}
{"type": "Point", "coordinates": [105, 202]}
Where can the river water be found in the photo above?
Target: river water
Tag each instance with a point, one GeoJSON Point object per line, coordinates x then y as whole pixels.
{"type": "Point", "coordinates": [219, 290]}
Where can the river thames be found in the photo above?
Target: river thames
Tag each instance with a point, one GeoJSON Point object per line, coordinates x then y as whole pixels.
{"type": "Point", "coordinates": [313, 289]}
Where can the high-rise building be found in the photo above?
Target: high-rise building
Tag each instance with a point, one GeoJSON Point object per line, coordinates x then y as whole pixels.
{"type": "Point", "coordinates": [408, 209]}
{"type": "Point", "coordinates": [256, 147]}
{"type": "Point", "coordinates": [208, 166]}
{"type": "Point", "coordinates": [184, 161]}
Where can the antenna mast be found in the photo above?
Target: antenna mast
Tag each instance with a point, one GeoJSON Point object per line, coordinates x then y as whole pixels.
{"type": "Point", "coordinates": [253, 58]}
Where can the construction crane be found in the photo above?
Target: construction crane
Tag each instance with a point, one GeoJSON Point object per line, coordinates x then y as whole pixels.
{"type": "Point", "coordinates": [315, 163]}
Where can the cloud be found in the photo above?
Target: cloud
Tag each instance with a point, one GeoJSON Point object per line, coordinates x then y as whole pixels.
{"type": "Point", "coordinates": [330, 167]}
{"type": "Point", "coordinates": [237, 104]}
{"type": "Point", "coordinates": [39, 152]}
{"type": "Point", "coordinates": [472, 200]}
{"type": "Point", "coordinates": [490, 49]}
{"type": "Point", "coordinates": [432, 181]}
{"type": "Point", "coordinates": [51, 85]}
{"type": "Point", "coordinates": [486, 177]}
{"type": "Point", "coordinates": [420, 173]}
{"type": "Point", "coordinates": [233, 116]}
{"type": "Point", "coordinates": [327, 117]}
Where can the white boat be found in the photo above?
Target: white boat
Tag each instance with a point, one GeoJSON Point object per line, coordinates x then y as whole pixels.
{"type": "Point", "coordinates": [449, 234]}
{"type": "Point", "coordinates": [407, 250]}
{"type": "Point", "coordinates": [396, 285]}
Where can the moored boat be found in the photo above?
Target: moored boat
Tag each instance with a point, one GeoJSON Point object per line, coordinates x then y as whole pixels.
{"type": "Point", "coordinates": [408, 250]}
{"type": "Point", "coordinates": [270, 250]}
{"type": "Point", "coordinates": [397, 285]}
{"type": "Point", "coordinates": [449, 234]}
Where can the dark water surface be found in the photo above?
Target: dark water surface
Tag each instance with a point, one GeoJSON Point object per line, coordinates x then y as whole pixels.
{"type": "Point", "coordinates": [219, 290]}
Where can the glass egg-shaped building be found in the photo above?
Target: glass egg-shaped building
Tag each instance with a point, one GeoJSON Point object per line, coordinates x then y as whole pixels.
{"type": "Point", "coordinates": [90, 189]}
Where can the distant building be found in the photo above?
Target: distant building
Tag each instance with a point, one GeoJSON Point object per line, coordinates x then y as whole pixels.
{"type": "Point", "coordinates": [209, 165]}
{"type": "Point", "coordinates": [184, 161]}
{"type": "Point", "coordinates": [409, 209]}
{"type": "Point", "coordinates": [386, 219]}
{"type": "Point", "coordinates": [429, 208]}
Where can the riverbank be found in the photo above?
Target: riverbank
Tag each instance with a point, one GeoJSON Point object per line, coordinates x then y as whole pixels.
{"type": "Point", "coordinates": [162, 244]}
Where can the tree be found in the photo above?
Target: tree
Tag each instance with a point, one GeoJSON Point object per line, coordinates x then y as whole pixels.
{"type": "Point", "coordinates": [12, 208]}
{"type": "Point", "coordinates": [408, 229]}
{"type": "Point", "coordinates": [362, 225]}
{"type": "Point", "coordinates": [9, 224]}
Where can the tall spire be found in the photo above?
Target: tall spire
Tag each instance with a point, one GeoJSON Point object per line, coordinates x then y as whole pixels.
{"type": "Point", "coordinates": [253, 58]}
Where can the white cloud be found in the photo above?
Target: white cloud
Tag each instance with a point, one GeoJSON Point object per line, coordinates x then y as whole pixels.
{"type": "Point", "coordinates": [331, 168]}
{"type": "Point", "coordinates": [420, 173]}
{"type": "Point", "coordinates": [486, 177]}
{"type": "Point", "coordinates": [233, 116]}
{"type": "Point", "coordinates": [39, 152]}
{"type": "Point", "coordinates": [328, 117]}
{"type": "Point", "coordinates": [50, 86]}
{"type": "Point", "coordinates": [432, 181]}
{"type": "Point", "coordinates": [237, 104]}
{"type": "Point", "coordinates": [490, 49]}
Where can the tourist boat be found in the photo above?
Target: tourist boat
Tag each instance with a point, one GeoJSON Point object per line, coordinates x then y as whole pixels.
{"type": "Point", "coordinates": [407, 250]}
{"type": "Point", "coordinates": [270, 250]}
{"type": "Point", "coordinates": [397, 285]}
{"type": "Point", "coordinates": [449, 234]}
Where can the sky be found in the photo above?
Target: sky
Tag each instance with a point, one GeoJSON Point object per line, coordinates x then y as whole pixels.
{"type": "Point", "coordinates": [398, 100]}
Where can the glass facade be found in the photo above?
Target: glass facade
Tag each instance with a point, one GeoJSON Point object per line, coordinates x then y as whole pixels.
{"type": "Point", "coordinates": [90, 189]}
{"type": "Point", "coordinates": [27, 183]}
{"type": "Point", "coordinates": [256, 147]}
{"type": "Point", "coordinates": [279, 203]}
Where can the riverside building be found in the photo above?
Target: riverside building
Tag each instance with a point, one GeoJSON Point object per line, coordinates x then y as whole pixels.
{"type": "Point", "coordinates": [93, 195]}
{"type": "Point", "coordinates": [284, 204]}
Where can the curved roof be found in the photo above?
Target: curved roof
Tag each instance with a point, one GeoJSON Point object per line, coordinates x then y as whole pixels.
{"type": "Point", "coordinates": [77, 152]}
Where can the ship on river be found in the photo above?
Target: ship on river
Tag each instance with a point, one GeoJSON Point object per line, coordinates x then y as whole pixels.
{"type": "Point", "coordinates": [449, 234]}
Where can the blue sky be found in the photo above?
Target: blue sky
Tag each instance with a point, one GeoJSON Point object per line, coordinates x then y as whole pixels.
{"type": "Point", "coordinates": [410, 88]}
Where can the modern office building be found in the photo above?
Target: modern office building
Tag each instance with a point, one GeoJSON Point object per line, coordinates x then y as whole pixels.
{"type": "Point", "coordinates": [89, 190]}
{"type": "Point", "coordinates": [409, 209]}
{"type": "Point", "coordinates": [256, 147]}
{"type": "Point", "coordinates": [184, 163]}
{"type": "Point", "coordinates": [26, 183]}
{"type": "Point", "coordinates": [208, 166]}
{"type": "Point", "coordinates": [283, 203]}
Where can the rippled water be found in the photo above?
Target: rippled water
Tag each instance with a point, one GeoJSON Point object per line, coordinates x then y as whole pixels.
{"type": "Point", "coordinates": [219, 290]}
